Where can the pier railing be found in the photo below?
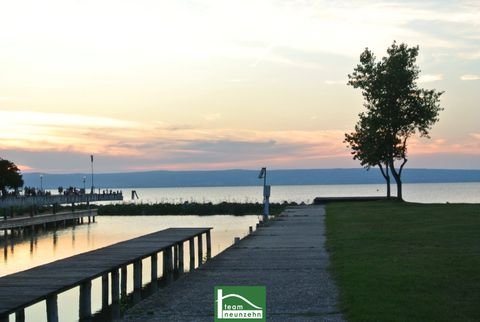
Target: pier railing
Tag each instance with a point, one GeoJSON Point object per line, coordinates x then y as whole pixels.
{"type": "Point", "coordinates": [41, 220]}
{"type": "Point", "coordinates": [45, 282]}
{"type": "Point", "coordinates": [41, 200]}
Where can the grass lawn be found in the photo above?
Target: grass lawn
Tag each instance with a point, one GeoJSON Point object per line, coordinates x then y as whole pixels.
{"type": "Point", "coordinates": [397, 261]}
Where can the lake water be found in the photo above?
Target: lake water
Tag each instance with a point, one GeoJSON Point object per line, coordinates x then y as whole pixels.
{"type": "Point", "coordinates": [419, 192]}
{"type": "Point", "coordinates": [28, 251]}
{"type": "Point", "coordinates": [32, 250]}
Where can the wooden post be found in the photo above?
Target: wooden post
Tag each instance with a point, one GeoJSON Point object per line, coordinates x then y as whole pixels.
{"type": "Point", "coordinates": [115, 289]}
{"type": "Point", "coordinates": [181, 266]}
{"type": "Point", "coordinates": [85, 304]}
{"type": "Point", "coordinates": [5, 248]}
{"type": "Point", "coordinates": [167, 265]}
{"type": "Point", "coordinates": [104, 291]}
{"type": "Point", "coordinates": [200, 249]}
{"type": "Point", "coordinates": [154, 270]}
{"type": "Point", "coordinates": [20, 315]}
{"type": "Point", "coordinates": [52, 308]}
{"type": "Point", "coordinates": [209, 245]}
{"type": "Point", "coordinates": [123, 282]}
{"type": "Point", "coordinates": [176, 263]}
{"type": "Point", "coordinates": [115, 295]}
{"type": "Point", "coordinates": [191, 244]}
{"type": "Point", "coordinates": [137, 280]}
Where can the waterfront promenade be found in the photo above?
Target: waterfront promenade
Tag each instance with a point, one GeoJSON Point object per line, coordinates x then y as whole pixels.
{"type": "Point", "coordinates": [288, 256]}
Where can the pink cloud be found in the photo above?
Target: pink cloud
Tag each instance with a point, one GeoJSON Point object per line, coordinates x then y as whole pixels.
{"type": "Point", "coordinates": [129, 146]}
{"type": "Point", "coordinates": [470, 145]}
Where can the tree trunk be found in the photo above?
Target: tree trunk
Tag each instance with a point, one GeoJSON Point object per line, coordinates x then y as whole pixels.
{"type": "Point", "coordinates": [389, 194]}
{"type": "Point", "coordinates": [397, 176]}
{"type": "Point", "coordinates": [386, 176]}
{"type": "Point", "coordinates": [399, 188]}
{"type": "Point", "coordinates": [398, 180]}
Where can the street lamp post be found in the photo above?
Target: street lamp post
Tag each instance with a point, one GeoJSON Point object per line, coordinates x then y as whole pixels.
{"type": "Point", "coordinates": [41, 182]}
{"type": "Point", "coordinates": [84, 187]}
{"type": "Point", "coordinates": [91, 161]}
{"type": "Point", "coordinates": [266, 193]}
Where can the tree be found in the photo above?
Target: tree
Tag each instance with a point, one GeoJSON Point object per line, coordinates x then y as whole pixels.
{"type": "Point", "coordinates": [10, 176]}
{"type": "Point", "coordinates": [396, 110]}
{"type": "Point", "coordinates": [367, 147]}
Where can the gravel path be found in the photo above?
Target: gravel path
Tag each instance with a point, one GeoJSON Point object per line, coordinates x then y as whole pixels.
{"type": "Point", "coordinates": [288, 256]}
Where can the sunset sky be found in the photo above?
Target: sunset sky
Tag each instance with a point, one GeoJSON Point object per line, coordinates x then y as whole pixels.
{"type": "Point", "coordinates": [215, 84]}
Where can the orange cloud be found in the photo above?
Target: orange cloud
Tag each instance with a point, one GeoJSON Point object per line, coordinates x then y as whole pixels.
{"type": "Point", "coordinates": [151, 146]}
{"type": "Point", "coordinates": [469, 145]}
{"type": "Point", "coordinates": [24, 168]}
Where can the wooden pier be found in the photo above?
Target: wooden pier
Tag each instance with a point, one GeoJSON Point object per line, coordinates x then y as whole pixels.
{"type": "Point", "coordinates": [42, 200]}
{"type": "Point", "coordinates": [45, 282]}
{"type": "Point", "coordinates": [40, 220]}
{"type": "Point", "coordinates": [12, 220]}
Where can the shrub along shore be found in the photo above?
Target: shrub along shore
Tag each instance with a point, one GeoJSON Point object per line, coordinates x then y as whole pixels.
{"type": "Point", "coordinates": [398, 261]}
{"type": "Point", "coordinates": [161, 209]}
{"type": "Point", "coordinates": [190, 208]}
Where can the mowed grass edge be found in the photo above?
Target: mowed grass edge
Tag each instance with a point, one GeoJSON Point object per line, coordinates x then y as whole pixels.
{"type": "Point", "coordinates": [398, 261]}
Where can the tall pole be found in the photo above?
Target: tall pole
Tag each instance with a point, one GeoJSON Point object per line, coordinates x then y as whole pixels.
{"type": "Point", "coordinates": [91, 162]}
{"type": "Point", "coordinates": [265, 179]}
{"type": "Point", "coordinates": [266, 193]}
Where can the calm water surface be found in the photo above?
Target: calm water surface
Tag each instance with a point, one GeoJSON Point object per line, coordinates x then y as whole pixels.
{"type": "Point", "coordinates": [419, 192]}
{"type": "Point", "coordinates": [32, 250]}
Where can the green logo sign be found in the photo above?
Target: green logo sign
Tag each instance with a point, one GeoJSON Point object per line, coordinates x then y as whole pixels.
{"type": "Point", "coordinates": [240, 303]}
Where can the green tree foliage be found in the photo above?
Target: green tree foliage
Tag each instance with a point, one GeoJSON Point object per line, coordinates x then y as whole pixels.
{"type": "Point", "coordinates": [367, 144]}
{"type": "Point", "coordinates": [396, 108]}
{"type": "Point", "coordinates": [10, 176]}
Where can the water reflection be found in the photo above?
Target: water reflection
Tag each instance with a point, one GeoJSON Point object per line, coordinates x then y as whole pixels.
{"type": "Point", "coordinates": [29, 248]}
{"type": "Point", "coordinates": [21, 238]}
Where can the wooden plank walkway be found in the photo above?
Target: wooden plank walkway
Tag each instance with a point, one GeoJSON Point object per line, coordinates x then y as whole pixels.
{"type": "Point", "coordinates": [287, 256]}
{"type": "Point", "coordinates": [22, 289]}
{"type": "Point", "coordinates": [28, 221]}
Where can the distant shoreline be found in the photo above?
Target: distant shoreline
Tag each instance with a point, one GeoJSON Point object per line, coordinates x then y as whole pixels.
{"type": "Point", "coordinates": [245, 178]}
